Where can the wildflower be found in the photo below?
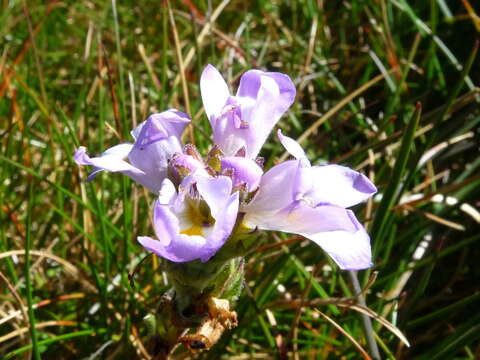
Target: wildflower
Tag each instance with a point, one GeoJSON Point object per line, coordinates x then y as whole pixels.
{"type": "Point", "coordinates": [244, 172]}
{"type": "Point", "coordinates": [156, 140]}
{"type": "Point", "coordinates": [246, 119]}
{"type": "Point", "coordinates": [311, 201]}
{"type": "Point", "coordinates": [194, 222]}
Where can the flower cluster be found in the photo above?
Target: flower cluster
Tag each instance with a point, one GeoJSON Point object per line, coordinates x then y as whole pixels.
{"type": "Point", "coordinates": [203, 202]}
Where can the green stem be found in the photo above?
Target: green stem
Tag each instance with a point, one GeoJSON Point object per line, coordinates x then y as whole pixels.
{"type": "Point", "coordinates": [367, 323]}
{"type": "Point", "coordinates": [28, 281]}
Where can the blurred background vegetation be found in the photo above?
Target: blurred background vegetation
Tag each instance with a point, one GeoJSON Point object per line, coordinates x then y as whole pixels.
{"type": "Point", "coordinates": [85, 72]}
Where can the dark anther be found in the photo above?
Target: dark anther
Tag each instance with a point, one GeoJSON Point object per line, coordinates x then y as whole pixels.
{"type": "Point", "coordinates": [197, 345]}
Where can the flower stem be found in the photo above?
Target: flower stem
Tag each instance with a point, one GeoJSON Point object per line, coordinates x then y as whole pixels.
{"type": "Point", "coordinates": [367, 324]}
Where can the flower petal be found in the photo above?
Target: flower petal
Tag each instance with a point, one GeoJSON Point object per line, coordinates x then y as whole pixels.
{"type": "Point", "coordinates": [215, 192]}
{"type": "Point", "coordinates": [167, 192]}
{"type": "Point", "coordinates": [351, 251]}
{"type": "Point", "coordinates": [250, 85]}
{"type": "Point", "coordinates": [214, 91]}
{"type": "Point", "coordinates": [245, 120]}
{"type": "Point", "coordinates": [333, 228]}
{"type": "Point", "coordinates": [111, 160]}
{"type": "Point", "coordinates": [276, 188]}
{"type": "Point", "coordinates": [168, 123]}
{"type": "Point", "coordinates": [184, 248]}
{"type": "Point", "coordinates": [245, 171]}
{"type": "Point", "coordinates": [165, 224]}
{"type": "Point", "coordinates": [186, 164]}
{"type": "Point", "coordinates": [262, 117]}
{"type": "Point", "coordinates": [300, 218]}
{"type": "Point", "coordinates": [225, 221]}
{"type": "Point", "coordinates": [292, 146]}
{"type": "Point", "coordinates": [338, 185]}
{"type": "Point", "coordinates": [157, 139]}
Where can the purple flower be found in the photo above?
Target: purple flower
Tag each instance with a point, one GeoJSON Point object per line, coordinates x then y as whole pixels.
{"type": "Point", "coordinates": [156, 140]}
{"type": "Point", "coordinates": [195, 222]}
{"type": "Point", "coordinates": [243, 171]}
{"type": "Point", "coordinates": [186, 164]}
{"type": "Point", "coordinates": [298, 198]}
{"type": "Point", "coordinates": [246, 119]}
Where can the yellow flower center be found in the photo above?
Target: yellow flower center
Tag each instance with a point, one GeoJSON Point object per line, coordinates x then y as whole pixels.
{"type": "Point", "coordinates": [197, 218]}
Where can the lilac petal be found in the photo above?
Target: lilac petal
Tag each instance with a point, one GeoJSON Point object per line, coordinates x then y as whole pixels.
{"type": "Point", "coordinates": [187, 163]}
{"type": "Point", "coordinates": [287, 92]}
{"type": "Point", "coordinates": [300, 218]}
{"type": "Point", "coordinates": [292, 147]}
{"type": "Point", "coordinates": [167, 192]}
{"type": "Point", "coordinates": [184, 248]}
{"type": "Point", "coordinates": [153, 160]}
{"type": "Point", "coordinates": [262, 117]}
{"type": "Point", "coordinates": [111, 160]}
{"type": "Point", "coordinates": [247, 119]}
{"type": "Point", "coordinates": [224, 223]}
{"type": "Point", "coordinates": [165, 224]}
{"type": "Point", "coordinates": [214, 91]}
{"type": "Point", "coordinates": [230, 140]}
{"type": "Point", "coordinates": [178, 247]}
{"type": "Point", "coordinates": [250, 85]}
{"type": "Point", "coordinates": [172, 121]}
{"type": "Point", "coordinates": [333, 228]}
{"type": "Point", "coordinates": [156, 142]}
{"type": "Point", "coordinates": [339, 185]}
{"type": "Point", "coordinates": [168, 123]}
{"type": "Point", "coordinates": [351, 251]}
{"type": "Point", "coordinates": [245, 171]}
{"type": "Point", "coordinates": [215, 192]}
{"type": "Point", "coordinates": [276, 188]}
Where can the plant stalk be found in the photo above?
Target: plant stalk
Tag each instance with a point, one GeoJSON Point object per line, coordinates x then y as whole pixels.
{"type": "Point", "coordinates": [367, 324]}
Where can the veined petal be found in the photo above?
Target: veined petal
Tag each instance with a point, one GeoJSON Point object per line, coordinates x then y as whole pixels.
{"type": "Point", "coordinates": [245, 120]}
{"type": "Point", "coordinates": [339, 185]}
{"type": "Point", "coordinates": [275, 190]}
{"type": "Point", "coordinates": [351, 251]}
{"type": "Point", "coordinates": [333, 228]}
{"type": "Point", "coordinates": [184, 248]}
{"type": "Point", "coordinates": [292, 147]}
{"type": "Point", "coordinates": [250, 85]}
{"type": "Point", "coordinates": [168, 123]}
{"type": "Point", "coordinates": [186, 164]}
{"type": "Point", "coordinates": [214, 91]}
{"type": "Point", "coordinates": [111, 160]}
{"type": "Point", "coordinates": [215, 192]}
{"type": "Point", "coordinates": [287, 92]}
{"type": "Point", "coordinates": [262, 117]}
{"type": "Point", "coordinates": [184, 237]}
{"type": "Point", "coordinates": [300, 218]}
{"type": "Point", "coordinates": [157, 139]}
{"type": "Point", "coordinates": [167, 192]}
{"type": "Point", "coordinates": [224, 223]}
{"type": "Point", "coordinates": [165, 224]}
{"type": "Point", "coordinates": [172, 121]}
{"type": "Point", "coordinates": [245, 171]}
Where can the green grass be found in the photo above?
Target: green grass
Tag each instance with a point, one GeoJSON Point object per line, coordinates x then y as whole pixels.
{"type": "Point", "coordinates": [82, 73]}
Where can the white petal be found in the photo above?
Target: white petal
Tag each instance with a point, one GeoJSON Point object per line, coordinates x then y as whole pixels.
{"type": "Point", "coordinates": [215, 191]}
{"type": "Point", "coordinates": [214, 91]}
{"type": "Point", "coordinates": [167, 192]}
{"type": "Point", "coordinates": [351, 251]}
{"type": "Point", "coordinates": [292, 146]}
{"type": "Point", "coordinates": [339, 185]}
